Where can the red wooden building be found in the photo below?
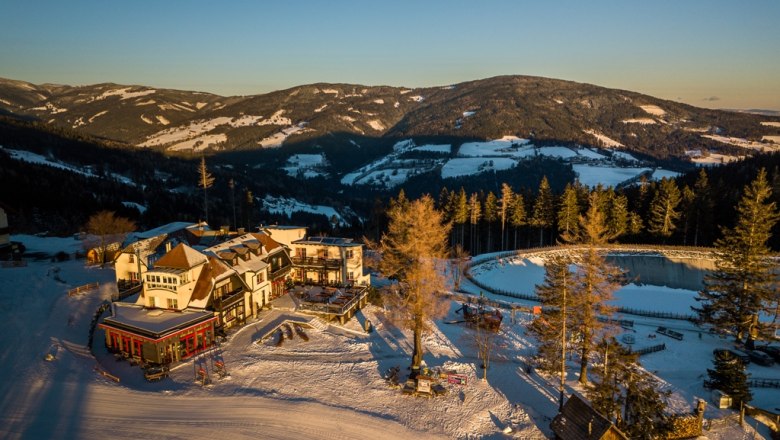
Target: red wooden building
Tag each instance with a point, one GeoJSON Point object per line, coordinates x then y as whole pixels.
{"type": "Point", "coordinates": [158, 336]}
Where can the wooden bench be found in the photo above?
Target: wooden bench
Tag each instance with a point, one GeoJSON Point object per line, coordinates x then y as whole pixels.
{"type": "Point", "coordinates": [671, 333]}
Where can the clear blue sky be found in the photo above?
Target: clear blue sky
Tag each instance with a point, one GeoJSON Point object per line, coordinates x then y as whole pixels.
{"type": "Point", "coordinates": [721, 54]}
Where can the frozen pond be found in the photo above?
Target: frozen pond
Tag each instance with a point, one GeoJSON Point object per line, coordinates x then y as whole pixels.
{"type": "Point", "coordinates": [654, 282]}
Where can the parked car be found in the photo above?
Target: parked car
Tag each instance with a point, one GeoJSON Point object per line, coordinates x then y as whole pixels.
{"type": "Point", "coordinates": [771, 350]}
{"type": "Point", "coordinates": [737, 354]}
{"type": "Point", "coordinates": [761, 358]}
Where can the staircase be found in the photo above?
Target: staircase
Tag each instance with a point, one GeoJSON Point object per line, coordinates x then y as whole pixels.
{"type": "Point", "coordinates": [319, 324]}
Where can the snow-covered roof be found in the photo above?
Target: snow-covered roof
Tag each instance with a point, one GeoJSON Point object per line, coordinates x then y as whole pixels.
{"type": "Point", "coordinates": [170, 228]}
{"type": "Point", "coordinates": [328, 241]}
{"type": "Point", "coordinates": [153, 323]}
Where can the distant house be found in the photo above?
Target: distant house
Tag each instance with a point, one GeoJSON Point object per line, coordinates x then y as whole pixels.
{"type": "Point", "coordinates": [579, 421]}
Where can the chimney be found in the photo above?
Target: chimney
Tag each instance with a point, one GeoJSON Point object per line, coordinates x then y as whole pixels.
{"type": "Point", "coordinates": [241, 231]}
{"type": "Point", "coordinates": [167, 246]}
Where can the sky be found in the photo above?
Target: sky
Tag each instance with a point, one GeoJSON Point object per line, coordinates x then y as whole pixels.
{"type": "Point", "coordinates": [715, 53]}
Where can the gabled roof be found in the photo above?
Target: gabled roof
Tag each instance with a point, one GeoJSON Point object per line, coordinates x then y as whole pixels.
{"type": "Point", "coordinates": [181, 257]}
{"type": "Point", "coordinates": [213, 272]}
{"type": "Point", "coordinates": [146, 245]}
{"type": "Point", "coordinates": [268, 242]}
{"type": "Point", "coordinates": [579, 421]}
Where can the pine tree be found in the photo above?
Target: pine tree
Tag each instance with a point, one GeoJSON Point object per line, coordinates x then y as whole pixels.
{"type": "Point", "coordinates": [729, 376]}
{"type": "Point", "coordinates": [569, 212]}
{"type": "Point", "coordinates": [686, 211]}
{"type": "Point", "coordinates": [544, 209]}
{"type": "Point", "coordinates": [517, 217]}
{"type": "Point", "coordinates": [742, 284]}
{"type": "Point", "coordinates": [205, 181]}
{"type": "Point", "coordinates": [611, 366]}
{"type": "Point", "coordinates": [415, 243]}
{"type": "Point", "coordinates": [644, 414]}
{"type": "Point", "coordinates": [626, 394]}
{"type": "Point", "coordinates": [490, 215]}
{"type": "Point", "coordinates": [617, 215]}
{"type": "Point", "coordinates": [595, 281]}
{"type": "Point", "coordinates": [551, 329]}
{"type": "Point", "coordinates": [663, 209]}
{"type": "Point", "coordinates": [507, 198]}
{"type": "Point", "coordinates": [702, 211]}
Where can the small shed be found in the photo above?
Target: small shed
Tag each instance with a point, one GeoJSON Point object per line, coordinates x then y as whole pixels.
{"type": "Point", "coordinates": [721, 399]}
{"type": "Point", "coordinates": [579, 421]}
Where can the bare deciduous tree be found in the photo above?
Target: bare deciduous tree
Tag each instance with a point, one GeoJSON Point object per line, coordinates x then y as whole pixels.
{"type": "Point", "coordinates": [108, 228]}
{"type": "Point", "coordinates": [205, 181]}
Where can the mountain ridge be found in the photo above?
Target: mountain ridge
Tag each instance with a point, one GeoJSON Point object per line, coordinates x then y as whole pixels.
{"type": "Point", "coordinates": [538, 108]}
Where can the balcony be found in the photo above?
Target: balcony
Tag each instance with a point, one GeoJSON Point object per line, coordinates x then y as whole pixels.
{"type": "Point", "coordinates": [229, 299]}
{"type": "Point", "coordinates": [333, 263]}
{"type": "Point", "coordinates": [278, 273]}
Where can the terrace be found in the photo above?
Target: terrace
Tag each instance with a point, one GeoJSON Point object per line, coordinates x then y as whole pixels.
{"type": "Point", "coordinates": [330, 302]}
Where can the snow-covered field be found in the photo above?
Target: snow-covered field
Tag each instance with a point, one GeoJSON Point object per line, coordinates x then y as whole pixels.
{"type": "Point", "coordinates": [34, 158]}
{"type": "Point", "coordinates": [329, 386]}
{"type": "Point", "coordinates": [286, 206]}
{"type": "Point", "coordinates": [465, 166]}
{"type": "Point", "coordinates": [592, 175]}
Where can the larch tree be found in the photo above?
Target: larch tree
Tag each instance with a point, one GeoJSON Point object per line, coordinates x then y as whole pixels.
{"type": "Point", "coordinates": [663, 209]}
{"type": "Point", "coordinates": [517, 216]}
{"type": "Point", "coordinates": [595, 282]}
{"type": "Point", "coordinates": [543, 214]}
{"type": "Point", "coordinates": [475, 214]}
{"type": "Point", "coordinates": [490, 215]}
{"type": "Point", "coordinates": [507, 198]}
{"type": "Point", "coordinates": [413, 247]}
{"type": "Point", "coordinates": [742, 284]}
{"type": "Point", "coordinates": [205, 181]}
{"type": "Point", "coordinates": [108, 228]}
{"type": "Point", "coordinates": [460, 213]}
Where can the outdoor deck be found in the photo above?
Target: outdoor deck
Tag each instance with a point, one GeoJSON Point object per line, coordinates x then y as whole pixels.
{"type": "Point", "coordinates": [330, 302]}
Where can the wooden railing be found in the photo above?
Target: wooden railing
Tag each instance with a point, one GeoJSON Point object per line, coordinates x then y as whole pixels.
{"type": "Point", "coordinates": [81, 289]}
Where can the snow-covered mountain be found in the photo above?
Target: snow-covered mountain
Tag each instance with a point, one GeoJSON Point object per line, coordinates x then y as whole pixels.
{"type": "Point", "coordinates": [545, 110]}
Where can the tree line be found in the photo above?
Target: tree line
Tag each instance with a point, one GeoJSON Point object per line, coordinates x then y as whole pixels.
{"type": "Point", "coordinates": [664, 212]}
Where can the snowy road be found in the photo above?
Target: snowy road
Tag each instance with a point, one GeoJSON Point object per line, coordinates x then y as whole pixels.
{"type": "Point", "coordinates": [112, 412]}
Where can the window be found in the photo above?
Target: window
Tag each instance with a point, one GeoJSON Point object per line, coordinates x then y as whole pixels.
{"type": "Point", "coordinates": [151, 302]}
{"type": "Point", "coordinates": [351, 276]}
{"type": "Point", "coordinates": [173, 303]}
{"type": "Point", "coordinates": [260, 277]}
{"type": "Point", "coordinates": [131, 259]}
{"type": "Point", "coordinates": [350, 254]}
